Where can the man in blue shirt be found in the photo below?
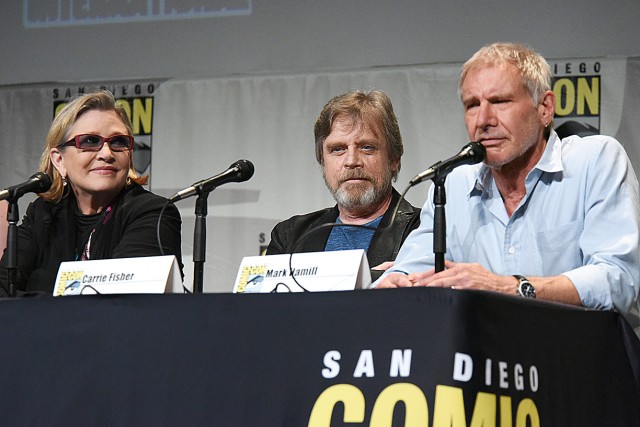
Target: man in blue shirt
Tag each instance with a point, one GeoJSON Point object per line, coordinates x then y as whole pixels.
{"type": "Point", "coordinates": [541, 217]}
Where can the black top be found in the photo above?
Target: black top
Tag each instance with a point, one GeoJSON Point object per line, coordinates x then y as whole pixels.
{"type": "Point", "coordinates": [85, 224]}
{"type": "Point", "coordinates": [48, 235]}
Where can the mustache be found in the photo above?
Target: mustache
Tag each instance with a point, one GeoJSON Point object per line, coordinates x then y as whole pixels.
{"type": "Point", "coordinates": [354, 175]}
{"type": "Point", "coordinates": [480, 136]}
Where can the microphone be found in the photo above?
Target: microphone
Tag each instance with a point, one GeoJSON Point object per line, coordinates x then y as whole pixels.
{"type": "Point", "coordinates": [239, 171]}
{"type": "Point", "coordinates": [470, 154]}
{"type": "Point", "coordinates": [38, 183]}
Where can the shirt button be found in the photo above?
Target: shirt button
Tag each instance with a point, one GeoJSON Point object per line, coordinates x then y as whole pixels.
{"type": "Point", "coordinates": [512, 250]}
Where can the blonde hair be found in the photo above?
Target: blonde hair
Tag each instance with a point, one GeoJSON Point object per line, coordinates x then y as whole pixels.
{"type": "Point", "coordinates": [58, 133]}
{"type": "Point", "coordinates": [532, 67]}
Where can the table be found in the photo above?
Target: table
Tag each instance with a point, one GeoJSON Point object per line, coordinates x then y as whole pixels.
{"type": "Point", "coordinates": [431, 356]}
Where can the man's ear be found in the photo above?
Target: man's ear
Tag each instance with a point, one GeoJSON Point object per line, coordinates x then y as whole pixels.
{"type": "Point", "coordinates": [395, 166]}
{"type": "Point", "coordinates": [547, 107]}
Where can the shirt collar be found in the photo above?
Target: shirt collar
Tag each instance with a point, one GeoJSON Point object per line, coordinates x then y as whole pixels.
{"type": "Point", "coordinates": [551, 160]}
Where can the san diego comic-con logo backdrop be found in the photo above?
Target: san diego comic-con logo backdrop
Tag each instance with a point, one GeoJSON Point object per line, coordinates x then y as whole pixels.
{"type": "Point", "coordinates": [577, 89]}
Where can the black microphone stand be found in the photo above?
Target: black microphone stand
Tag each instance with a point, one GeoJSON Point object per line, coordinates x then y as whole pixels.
{"type": "Point", "coordinates": [199, 242]}
{"type": "Point", "coordinates": [12, 245]}
{"type": "Point", "coordinates": [471, 153]}
{"type": "Point", "coordinates": [439, 223]}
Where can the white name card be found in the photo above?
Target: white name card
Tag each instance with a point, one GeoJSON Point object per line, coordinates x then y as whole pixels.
{"type": "Point", "coordinates": [301, 272]}
{"type": "Point", "coordinates": [142, 275]}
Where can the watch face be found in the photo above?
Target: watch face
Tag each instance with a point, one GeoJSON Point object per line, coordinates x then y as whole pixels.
{"type": "Point", "coordinates": [527, 290]}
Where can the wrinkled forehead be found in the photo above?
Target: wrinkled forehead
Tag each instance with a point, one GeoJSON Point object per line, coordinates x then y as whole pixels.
{"type": "Point", "coordinates": [501, 67]}
{"type": "Point", "coordinates": [485, 76]}
{"type": "Point", "coordinates": [359, 123]}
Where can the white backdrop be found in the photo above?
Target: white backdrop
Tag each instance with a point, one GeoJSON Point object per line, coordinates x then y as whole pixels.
{"type": "Point", "coordinates": [201, 126]}
{"type": "Point", "coordinates": [48, 40]}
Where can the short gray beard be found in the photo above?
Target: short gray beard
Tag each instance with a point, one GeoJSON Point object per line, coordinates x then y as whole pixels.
{"type": "Point", "coordinates": [371, 197]}
{"type": "Point", "coordinates": [346, 200]}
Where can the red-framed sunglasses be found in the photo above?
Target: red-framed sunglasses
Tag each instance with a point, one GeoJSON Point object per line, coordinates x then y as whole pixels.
{"type": "Point", "coordinates": [90, 142]}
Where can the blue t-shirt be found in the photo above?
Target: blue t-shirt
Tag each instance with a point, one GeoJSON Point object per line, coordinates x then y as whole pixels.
{"type": "Point", "coordinates": [344, 237]}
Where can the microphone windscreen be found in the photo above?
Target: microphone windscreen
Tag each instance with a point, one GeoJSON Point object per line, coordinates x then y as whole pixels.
{"type": "Point", "coordinates": [479, 151]}
{"type": "Point", "coordinates": [245, 170]}
{"type": "Point", "coordinates": [44, 181]}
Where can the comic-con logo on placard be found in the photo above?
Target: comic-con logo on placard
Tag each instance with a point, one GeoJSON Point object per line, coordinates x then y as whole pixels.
{"type": "Point", "coordinates": [137, 100]}
{"type": "Point", "coordinates": [577, 89]}
{"type": "Point", "coordinates": [69, 283]}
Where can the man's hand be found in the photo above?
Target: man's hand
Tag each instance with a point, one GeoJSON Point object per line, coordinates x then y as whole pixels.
{"type": "Point", "coordinates": [455, 276]}
{"type": "Point", "coordinates": [394, 280]}
{"type": "Point", "coordinates": [465, 276]}
{"type": "Point", "coordinates": [458, 275]}
{"type": "Point", "coordinates": [384, 266]}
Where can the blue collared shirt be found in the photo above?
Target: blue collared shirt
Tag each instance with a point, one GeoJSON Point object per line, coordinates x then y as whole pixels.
{"type": "Point", "coordinates": [579, 218]}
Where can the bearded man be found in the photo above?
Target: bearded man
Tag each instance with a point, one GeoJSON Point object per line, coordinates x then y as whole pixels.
{"type": "Point", "coordinates": [359, 147]}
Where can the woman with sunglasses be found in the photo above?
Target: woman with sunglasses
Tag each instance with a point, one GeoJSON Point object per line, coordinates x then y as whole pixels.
{"type": "Point", "coordinates": [96, 207]}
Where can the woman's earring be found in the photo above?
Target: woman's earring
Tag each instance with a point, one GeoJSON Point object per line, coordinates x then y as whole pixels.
{"type": "Point", "coordinates": [64, 181]}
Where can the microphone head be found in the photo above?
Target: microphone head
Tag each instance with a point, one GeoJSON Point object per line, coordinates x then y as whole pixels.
{"type": "Point", "coordinates": [244, 170]}
{"type": "Point", "coordinates": [476, 152]}
{"type": "Point", "coordinates": [42, 182]}
{"type": "Point", "coordinates": [470, 154]}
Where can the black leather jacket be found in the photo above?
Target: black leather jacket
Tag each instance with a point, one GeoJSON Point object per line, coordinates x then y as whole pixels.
{"type": "Point", "coordinates": [384, 245]}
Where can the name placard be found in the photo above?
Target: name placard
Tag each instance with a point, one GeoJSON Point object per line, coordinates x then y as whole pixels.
{"type": "Point", "coordinates": [142, 275]}
{"type": "Point", "coordinates": [302, 272]}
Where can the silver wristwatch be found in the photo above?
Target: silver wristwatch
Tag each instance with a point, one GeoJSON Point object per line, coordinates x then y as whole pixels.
{"type": "Point", "coordinates": [525, 288]}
